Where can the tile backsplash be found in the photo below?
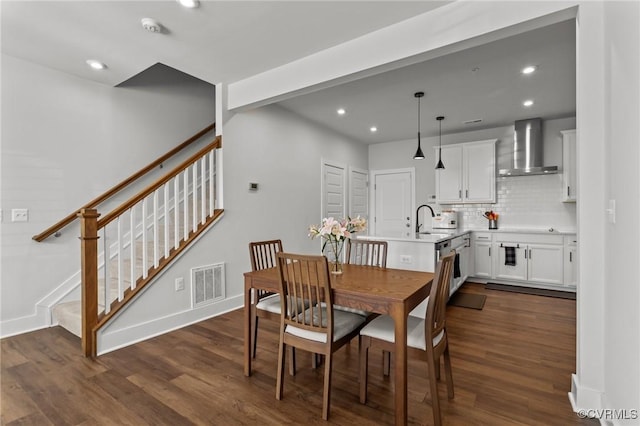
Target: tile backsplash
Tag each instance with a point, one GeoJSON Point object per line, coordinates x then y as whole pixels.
{"type": "Point", "coordinates": [523, 202]}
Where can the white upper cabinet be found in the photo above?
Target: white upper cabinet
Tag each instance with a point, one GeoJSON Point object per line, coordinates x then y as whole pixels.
{"type": "Point", "coordinates": [569, 178]}
{"type": "Point", "coordinates": [469, 175]}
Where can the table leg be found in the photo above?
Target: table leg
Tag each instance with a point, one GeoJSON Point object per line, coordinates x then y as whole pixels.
{"type": "Point", "coordinates": [400, 319]}
{"type": "Point", "coordinates": [247, 326]}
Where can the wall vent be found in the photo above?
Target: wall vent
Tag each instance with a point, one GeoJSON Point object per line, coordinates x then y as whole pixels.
{"type": "Point", "coordinates": [207, 284]}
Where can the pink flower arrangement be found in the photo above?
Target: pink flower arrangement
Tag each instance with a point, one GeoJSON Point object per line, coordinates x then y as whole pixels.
{"type": "Point", "coordinates": [335, 232]}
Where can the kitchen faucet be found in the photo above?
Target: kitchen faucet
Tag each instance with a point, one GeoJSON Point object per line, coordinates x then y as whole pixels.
{"type": "Point", "coordinates": [418, 225]}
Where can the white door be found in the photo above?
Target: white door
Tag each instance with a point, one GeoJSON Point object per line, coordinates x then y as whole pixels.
{"type": "Point", "coordinates": [393, 193]}
{"type": "Point", "coordinates": [333, 190]}
{"type": "Point", "coordinates": [358, 193]}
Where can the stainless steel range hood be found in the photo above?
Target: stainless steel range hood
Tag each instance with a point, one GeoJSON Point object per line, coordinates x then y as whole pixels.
{"type": "Point", "coordinates": [527, 153]}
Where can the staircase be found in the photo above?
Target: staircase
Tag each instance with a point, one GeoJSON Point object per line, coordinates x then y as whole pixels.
{"type": "Point", "coordinates": [123, 250]}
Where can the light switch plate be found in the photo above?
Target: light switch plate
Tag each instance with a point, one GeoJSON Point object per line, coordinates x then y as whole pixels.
{"type": "Point", "coordinates": [19, 215]}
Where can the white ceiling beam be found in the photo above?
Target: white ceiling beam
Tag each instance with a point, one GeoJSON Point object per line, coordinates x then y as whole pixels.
{"type": "Point", "coordinates": [456, 26]}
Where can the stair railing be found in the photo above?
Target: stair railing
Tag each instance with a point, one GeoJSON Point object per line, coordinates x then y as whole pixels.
{"type": "Point", "coordinates": [126, 248]}
{"type": "Point", "coordinates": [55, 228]}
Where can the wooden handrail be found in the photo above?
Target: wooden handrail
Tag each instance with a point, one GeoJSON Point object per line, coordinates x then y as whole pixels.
{"type": "Point", "coordinates": [93, 203]}
{"type": "Point", "coordinates": [112, 215]}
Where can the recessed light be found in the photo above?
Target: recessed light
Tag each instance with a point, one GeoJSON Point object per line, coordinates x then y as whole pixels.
{"type": "Point", "coordinates": [191, 4]}
{"type": "Point", "coordinates": [373, 129]}
{"type": "Point", "coordinates": [341, 111]}
{"type": "Point", "coordinates": [527, 103]}
{"type": "Point", "coordinates": [96, 65]}
{"type": "Point", "coordinates": [528, 70]}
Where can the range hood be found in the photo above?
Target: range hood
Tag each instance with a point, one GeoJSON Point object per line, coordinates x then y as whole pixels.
{"type": "Point", "coordinates": [527, 152]}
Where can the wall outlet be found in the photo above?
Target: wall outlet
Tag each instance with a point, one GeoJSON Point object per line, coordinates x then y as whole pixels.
{"type": "Point", "coordinates": [179, 284]}
{"type": "Point", "coordinates": [406, 258]}
{"type": "Point", "coordinates": [19, 215]}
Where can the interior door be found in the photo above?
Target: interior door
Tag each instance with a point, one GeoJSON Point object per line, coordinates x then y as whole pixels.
{"type": "Point", "coordinates": [333, 190]}
{"type": "Point", "coordinates": [393, 192]}
{"type": "Point", "coordinates": [358, 193]}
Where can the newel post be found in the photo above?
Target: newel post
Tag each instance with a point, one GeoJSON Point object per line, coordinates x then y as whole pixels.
{"type": "Point", "coordinates": [89, 270]}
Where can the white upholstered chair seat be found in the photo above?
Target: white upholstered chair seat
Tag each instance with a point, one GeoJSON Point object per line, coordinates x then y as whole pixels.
{"type": "Point", "coordinates": [383, 328]}
{"type": "Point", "coordinates": [272, 304]}
{"type": "Point", "coordinates": [343, 324]}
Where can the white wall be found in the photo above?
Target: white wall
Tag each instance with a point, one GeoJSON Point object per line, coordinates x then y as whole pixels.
{"type": "Point", "coordinates": [528, 201]}
{"type": "Point", "coordinates": [622, 296]}
{"type": "Point", "coordinates": [65, 140]}
{"type": "Point", "coordinates": [282, 153]}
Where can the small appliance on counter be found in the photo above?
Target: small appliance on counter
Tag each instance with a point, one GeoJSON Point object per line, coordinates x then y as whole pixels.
{"type": "Point", "coordinates": [447, 219]}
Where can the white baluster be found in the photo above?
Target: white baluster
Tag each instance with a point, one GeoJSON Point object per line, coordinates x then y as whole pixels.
{"type": "Point", "coordinates": [211, 182]}
{"type": "Point", "coordinates": [106, 271]}
{"type": "Point", "coordinates": [119, 254]}
{"type": "Point", "coordinates": [203, 188]}
{"type": "Point", "coordinates": [185, 201]}
{"type": "Point", "coordinates": [167, 243]}
{"type": "Point", "coordinates": [194, 195]}
{"type": "Point", "coordinates": [155, 229]}
{"type": "Point", "coordinates": [132, 245]}
{"type": "Point", "coordinates": [176, 210]}
{"type": "Point", "coordinates": [144, 239]}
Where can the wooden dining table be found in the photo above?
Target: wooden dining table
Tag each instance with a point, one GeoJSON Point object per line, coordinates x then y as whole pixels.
{"type": "Point", "coordinates": [394, 292]}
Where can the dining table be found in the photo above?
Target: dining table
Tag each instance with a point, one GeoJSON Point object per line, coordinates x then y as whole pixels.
{"type": "Point", "coordinates": [393, 292]}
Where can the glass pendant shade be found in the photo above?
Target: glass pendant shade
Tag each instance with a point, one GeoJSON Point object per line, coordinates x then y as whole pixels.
{"type": "Point", "coordinates": [419, 155]}
{"type": "Point", "coordinates": [440, 164]}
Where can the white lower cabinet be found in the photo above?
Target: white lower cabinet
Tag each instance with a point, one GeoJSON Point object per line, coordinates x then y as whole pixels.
{"type": "Point", "coordinates": [536, 259]}
{"type": "Point", "coordinates": [571, 261]}
{"type": "Point", "coordinates": [482, 263]}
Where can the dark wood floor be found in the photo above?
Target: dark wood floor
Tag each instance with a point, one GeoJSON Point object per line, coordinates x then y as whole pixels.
{"type": "Point", "coordinates": [512, 364]}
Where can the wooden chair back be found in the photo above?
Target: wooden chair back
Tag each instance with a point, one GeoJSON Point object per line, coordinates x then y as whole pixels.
{"type": "Point", "coordinates": [263, 256]}
{"type": "Point", "coordinates": [367, 252]}
{"type": "Point", "coordinates": [435, 320]}
{"type": "Point", "coordinates": [304, 277]}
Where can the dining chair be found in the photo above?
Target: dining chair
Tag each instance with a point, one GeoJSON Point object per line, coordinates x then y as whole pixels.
{"type": "Point", "coordinates": [266, 304]}
{"type": "Point", "coordinates": [319, 329]}
{"type": "Point", "coordinates": [427, 336]}
{"type": "Point", "coordinates": [367, 252]}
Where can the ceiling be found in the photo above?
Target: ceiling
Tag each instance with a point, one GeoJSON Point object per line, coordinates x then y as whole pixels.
{"type": "Point", "coordinates": [227, 41]}
{"type": "Point", "coordinates": [483, 82]}
{"type": "Point", "coordinates": [220, 41]}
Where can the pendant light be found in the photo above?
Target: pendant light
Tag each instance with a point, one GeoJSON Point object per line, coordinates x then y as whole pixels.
{"type": "Point", "coordinates": [419, 155]}
{"type": "Point", "coordinates": [440, 163]}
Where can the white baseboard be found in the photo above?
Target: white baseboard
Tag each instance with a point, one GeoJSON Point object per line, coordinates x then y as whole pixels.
{"type": "Point", "coordinates": [39, 320]}
{"type": "Point", "coordinates": [586, 400]}
{"type": "Point", "coordinates": [108, 342]}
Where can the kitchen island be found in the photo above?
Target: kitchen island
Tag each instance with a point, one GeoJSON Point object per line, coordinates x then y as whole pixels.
{"type": "Point", "coordinates": [422, 252]}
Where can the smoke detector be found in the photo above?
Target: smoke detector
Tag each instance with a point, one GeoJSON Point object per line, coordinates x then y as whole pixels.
{"type": "Point", "coordinates": [151, 25]}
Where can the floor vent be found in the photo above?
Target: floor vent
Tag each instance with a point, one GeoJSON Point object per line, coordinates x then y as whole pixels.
{"type": "Point", "coordinates": [208, 284]}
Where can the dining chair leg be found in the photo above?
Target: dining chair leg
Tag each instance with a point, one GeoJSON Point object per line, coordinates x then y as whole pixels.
{"type": "Point", "coordinates": [435, 402]}
{"type": "Point", "coordinates": [280, 373]}
{"type": "Point", "coordinates": [255, 333]}
{"type": "Point", "coordinates": [437, 367]}
{"type": "Point", "coordinates": [448, 373]}
{"type": "Point", "coordinates": [292, 360]}
{"type": "Point", "coordinates": [363, 345]}
{"type": "Point", "coordinates": [328, 359]}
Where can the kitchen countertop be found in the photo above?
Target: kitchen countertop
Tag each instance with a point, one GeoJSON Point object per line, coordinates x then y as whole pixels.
{"type": "Point", "coordinates": [438, 235]}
